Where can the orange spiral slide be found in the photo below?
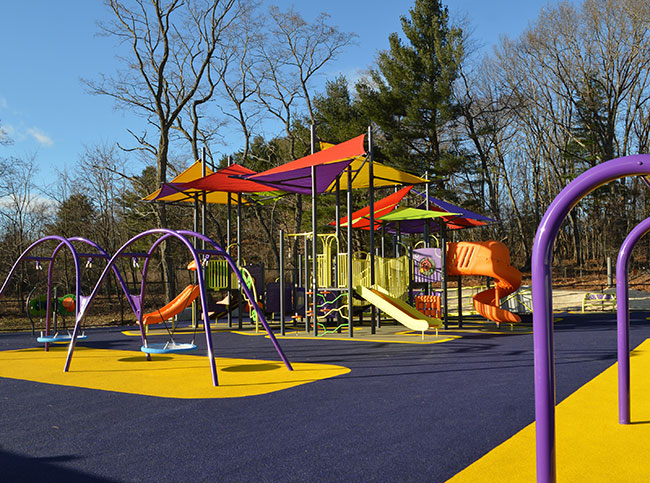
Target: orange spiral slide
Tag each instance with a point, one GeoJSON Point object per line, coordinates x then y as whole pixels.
{"type": "Point", "coordinates": [491, 259]}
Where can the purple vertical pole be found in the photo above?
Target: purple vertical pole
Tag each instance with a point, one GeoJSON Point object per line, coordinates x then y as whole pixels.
{"type": "Point", "coordinates": [371, 205]}
{"type": "Point", "coordinates": [623, 318]}
{"type": "Point", "coordinates": [349, 248]}
{"type": "Point", "coordinates": [542, 297]}
{"type": "Point", "coordinates": [48, 303]}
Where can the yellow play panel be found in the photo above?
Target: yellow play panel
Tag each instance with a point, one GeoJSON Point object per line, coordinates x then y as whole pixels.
{"type": "Point", "coordinates": [166, 375]}
{"type": "Point", "coordinates": [591, 445]}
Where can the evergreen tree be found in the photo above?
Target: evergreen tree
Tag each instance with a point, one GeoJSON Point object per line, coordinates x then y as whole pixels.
{"type": "Point", "coordinates": [337, 114]}
{"type": "Point", "coordinates": [75, 216]}
{"type": "Point", "coordinates": [409, 94]}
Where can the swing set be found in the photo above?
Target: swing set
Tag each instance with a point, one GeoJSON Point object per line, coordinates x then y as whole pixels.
{"type": "Point", "coordinates": [200, 258]}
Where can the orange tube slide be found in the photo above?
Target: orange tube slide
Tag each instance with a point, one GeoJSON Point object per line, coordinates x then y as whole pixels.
{"type": "Point", "coordinates": [491, 259]}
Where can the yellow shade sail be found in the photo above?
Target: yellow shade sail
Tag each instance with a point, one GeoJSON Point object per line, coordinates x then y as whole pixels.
{"type": "Point", "coordinates": [194, 172]}
{"type": "Point", "coordinates": [383, 176]}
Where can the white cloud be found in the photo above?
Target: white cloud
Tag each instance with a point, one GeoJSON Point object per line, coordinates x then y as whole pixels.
{"type": "Point", "coordinates": [40, 136]}
{"type": "Point", "coordinates": [3, 103]}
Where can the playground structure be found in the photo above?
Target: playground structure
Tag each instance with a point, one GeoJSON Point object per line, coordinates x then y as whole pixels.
{"type": "Point", "coordinates": [395, 278]}
{"type": "Point", "coordinates": [337, 285]}
{"type": "Point", "coordinates": [323, 288]}
{"type": "Point", "coordinates": [199, 257]}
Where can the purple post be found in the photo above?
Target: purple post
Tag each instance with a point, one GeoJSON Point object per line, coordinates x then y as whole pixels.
{"type": "Point", "coordinates": [623, 318]}
{"type": "Point", "coordinates": [542, 297]}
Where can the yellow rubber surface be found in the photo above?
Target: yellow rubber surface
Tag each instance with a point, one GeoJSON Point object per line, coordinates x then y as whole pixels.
{"type": "Point", "coordinates": [166, 375]}
{"type": "Point", "coordinates": [591, 445]}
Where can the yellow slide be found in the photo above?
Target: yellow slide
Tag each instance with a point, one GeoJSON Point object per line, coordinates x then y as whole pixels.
{"type": "Point", "coordinates": [397, 309]}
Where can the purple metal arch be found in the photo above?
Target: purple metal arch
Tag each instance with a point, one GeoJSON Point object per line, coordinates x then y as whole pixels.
{"type": "Point", "coordinates": [25, 255]}
{"type": "Point", "coordinates": [181, 235]}
{"type": "Point", "coordinates": [80, 300]}
{"type": "Point", "coordinates": [542, 257]}
{"type": "Point", "coordinates": [50, 273]}
{"type": "Point", "coordinates": [164, 234]}
{"type": "Point", "coordinates": [623, 318]}
{"type": "Point", "coordinates": [104, 254]}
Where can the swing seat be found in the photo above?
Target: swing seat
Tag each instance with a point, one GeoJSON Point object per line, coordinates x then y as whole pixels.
{"type": "Point", "coordinates": [58, 338]}
{"type": "Point", "coordinates": [175, 307]}
{"type": "Point", "coordinates": [167, 348]}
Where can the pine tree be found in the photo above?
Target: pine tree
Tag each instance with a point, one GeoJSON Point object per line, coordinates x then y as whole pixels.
{"type": "Point", "coordinates": [409, 95]}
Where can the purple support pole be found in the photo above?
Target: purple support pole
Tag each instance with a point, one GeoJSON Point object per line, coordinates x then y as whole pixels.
{"type": "Point", "coordinates": [48, 304]}
{"type": "Point", "coordinates": [25, 255]}
{"type": "Point", "coordinates": [623, 318]}
{"type": "Point", "coordinates": [542, 257]}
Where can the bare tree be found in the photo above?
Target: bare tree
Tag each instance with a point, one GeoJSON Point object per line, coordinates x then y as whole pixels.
{"type": "Point", "coordinates": [292, 54]}
{"type": "Point", "coordinates": [23, 212]}
{"type": "Point", "coordinates": [171, 45]}
{"type": "Point", "coordinates": [579, 79]}
{"type": "Point", "coordinates": [242, 75]}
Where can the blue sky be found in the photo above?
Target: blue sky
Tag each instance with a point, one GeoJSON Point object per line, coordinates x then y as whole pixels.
{"type": "Point", "coordinates": [48, 46]}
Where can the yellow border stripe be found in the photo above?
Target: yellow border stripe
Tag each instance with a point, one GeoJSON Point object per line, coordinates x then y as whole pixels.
{"type": "Point", "coordinates": [591, 445]}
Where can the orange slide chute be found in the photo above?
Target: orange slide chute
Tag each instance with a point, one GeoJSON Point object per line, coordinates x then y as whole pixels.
{"type": "Point", "coordinates": [175, 307]}
{"type": "Point", "coordinates": [491, 259]}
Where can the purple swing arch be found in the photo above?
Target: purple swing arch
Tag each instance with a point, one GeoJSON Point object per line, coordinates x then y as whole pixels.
{"type": "Point", "coordinates": [542, 257]}
{"type": "Point", "coordinates": [80, 299]}
{"type": "Point", "coordinates": [137, 300]}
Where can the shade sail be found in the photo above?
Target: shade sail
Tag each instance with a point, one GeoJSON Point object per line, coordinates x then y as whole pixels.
{"type": "Point", "coordinates": [361, 218]}
{"type": "Point", "coordinates": [217, 187]}
{"type": "Point", "coordinates": [446, 206]}
{"type": "Point", "coordinates": [299, 180]}
{"type": "Point", "coordinates": [409, 214]}
{"type": "Point", "coordinates": [223, 180]}
{"type": "Point", "coordinates": [339, 152]}
{"type": "Point", "coordinates": [195, 171]}
{"type": "Point", "coordinates": [169, 193]}
{"type": "Point", "coordinates": [382, 176]}
{"type": "Point", "coordinates": [416, 219]}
